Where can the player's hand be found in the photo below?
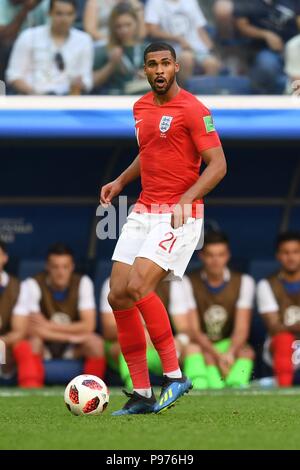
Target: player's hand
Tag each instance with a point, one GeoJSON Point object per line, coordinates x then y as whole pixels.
{"type": "Point", "coordinates": [109, 191]}
{"type": "Point", "coordinates": [181, 212]}
{"type": "Point", "coordinates": [225, 362]}
{"type": "Point", "coordinates": [274, 41]}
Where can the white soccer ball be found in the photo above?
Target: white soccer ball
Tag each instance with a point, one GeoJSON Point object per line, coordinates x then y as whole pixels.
{"type": "Point", "coordinates": [86, 395]}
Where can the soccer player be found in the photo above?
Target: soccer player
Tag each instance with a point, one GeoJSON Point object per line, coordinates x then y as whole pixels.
{"type": "Point", "coordinates": [18, 354]}
{"type": "Point", "coordinates": [221, 303]}
{"type": "Point", "coordinates": [63, 313]}
{"type": "Point", "coordinates": [174, 132]}
{"type": "Point", "coordinates": [278, 299]}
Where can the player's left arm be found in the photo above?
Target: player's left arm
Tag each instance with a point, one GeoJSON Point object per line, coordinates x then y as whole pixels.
{"type": "Point", "coordinates": [85, 325]}
{"type": "Point", "coordinates": [19, 330]}
{"type": "Point", "coordinates": [201, 128]}
{"type": "Point", "coordinates": [214, 172]}
{"type": "Point", "coordinates": [242, 319]}
{"type": "Point", "coordinates": [241, 329]}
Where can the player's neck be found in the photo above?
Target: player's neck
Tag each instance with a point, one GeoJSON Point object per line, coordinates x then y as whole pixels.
{"type": "Point", "coordinates": [215, 279]}
{"type": "Point", "coordinates": [172, 93]}
{"type": "Point", "coordinates": [291, 277]}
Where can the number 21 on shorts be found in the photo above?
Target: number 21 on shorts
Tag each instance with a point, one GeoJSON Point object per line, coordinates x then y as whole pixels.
{"type": "Point", "coordinates": [168, 243]}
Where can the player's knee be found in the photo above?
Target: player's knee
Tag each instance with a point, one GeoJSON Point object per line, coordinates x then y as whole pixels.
{"type": "Point", "coordinates": [136, 289]}
{"type": "Point", "coordinates": [93, 345]}
{"type": "Point", "coordinates": [117, 298]}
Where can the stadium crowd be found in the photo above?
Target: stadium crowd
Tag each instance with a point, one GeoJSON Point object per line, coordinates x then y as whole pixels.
{"type": "Point", "coordinates": [53, 315]}
{"type": "Point", "coordinates": [65, 47]}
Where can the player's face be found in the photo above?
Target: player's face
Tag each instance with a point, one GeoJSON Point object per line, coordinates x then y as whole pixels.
{"type": "Point", "coordinates": [125, 28]}
{"type": "Point", "coordinates": [3, 259]}
{"type": "Point", "coordinates": [160, 69]}
{"type": "Point", "coordinates": [62, 17]}
{"type": "Point", "coordinates": [289, 256]}
{"type": "Point", "coordinates": [60, 269]}
{"type": "Point", "coordinates": [215, 258]}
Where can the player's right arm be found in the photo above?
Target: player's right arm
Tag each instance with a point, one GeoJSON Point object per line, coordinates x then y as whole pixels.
{"type": "Point", "coordinates": [269, 308]}
{"type": "Point", "coordinates": [113, 189]}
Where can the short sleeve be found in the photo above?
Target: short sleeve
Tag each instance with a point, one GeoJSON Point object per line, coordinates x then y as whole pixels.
{"type": "Point", "coordinates": [266, 301]}
{"type": "Point", "coordinates": [86, 299]}
{"type": "Point", "coordinates": [33, 295]}
{"type": "Point", "coordinates": [247, 292]}
{"type": "Point", "coordinates": [104, 305]}
{"type": "Point", "coordinates": [21, 307]}
{"type": "Point", "coordinates": [181, 297]}
{"type": "Point", "coordinates": [178, 302]}
{"type": "Point", "coordinates": [201, 126]}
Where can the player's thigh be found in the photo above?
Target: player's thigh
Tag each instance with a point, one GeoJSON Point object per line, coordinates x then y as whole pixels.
{"type": "Point", "coordinates": [133, 234]}
{"type": "Point", "coordinates": [144, 277]}
{"type": "Point", "coordinates": [119, 279]}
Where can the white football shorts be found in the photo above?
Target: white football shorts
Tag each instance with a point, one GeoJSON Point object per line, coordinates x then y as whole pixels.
{"type": "Point", "coordinates": [148, 235]}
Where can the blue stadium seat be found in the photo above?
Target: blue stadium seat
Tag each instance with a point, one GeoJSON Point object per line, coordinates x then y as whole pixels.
{"type": "Point", "coordinates": [219, 85]}
{"type": "Point", "coordinates": [262, 268]}
{"type": "Point", "coordinates": [30, 267]}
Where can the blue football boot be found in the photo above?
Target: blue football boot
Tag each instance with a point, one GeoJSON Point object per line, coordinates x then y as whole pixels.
{"type": "Point", "coordinates": [172, 390]}
{"type": "Point", "coordinates": [136, 405]}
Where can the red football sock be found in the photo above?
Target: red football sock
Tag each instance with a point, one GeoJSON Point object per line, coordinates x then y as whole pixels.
{"type": "Point", "coordinates": [95, 366]}
{"type": "Point", "coordinates": [282, 348]}
{"type": "Point", "coordinates": [132, 340]}
{"type": "Point", "coordinates": [30, 367]}
{"type": "Point", "coordinates": [160, 331]}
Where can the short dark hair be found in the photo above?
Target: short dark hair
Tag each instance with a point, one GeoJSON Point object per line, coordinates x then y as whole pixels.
{"type": "Point", "coordinates": [60, 249]}
{"type": "Point", "coordinates": [3, 247]}
{"type": "Point", "coordinates": [159, 46]}
{"type": "Point", "coordinates": [213, 237]}
{"type": "Point", "coordinates": [71, 2]}
{"type": "Point", "coordinates": [289, 236]}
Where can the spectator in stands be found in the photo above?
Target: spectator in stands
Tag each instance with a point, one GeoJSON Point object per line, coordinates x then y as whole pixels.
{"type": "Point", "coordinates": [182, 23]}
{"type": "Point", "coordinates": [18, 353]}
{"type": "Point", "coordinates": [16, 15]}
{"type": "Point", "coordinates": [172, 296]}
{"type": "Point", "coordinates": [119, 65]}
{"type": "Point", "coordinates": [221, 302]}
{"type": "Point", "coordinates": [63, 313]}
{"type": "Point", "coordinates": [278, 299]}
{"type": "Point", "coordinates": [97, 14]}
{"type": "Point", "coordinates": [292, 64]}
{"type": "Point", "coordinates": [269, 24]}
{"type": "Point", "coordinates": [53, 59]}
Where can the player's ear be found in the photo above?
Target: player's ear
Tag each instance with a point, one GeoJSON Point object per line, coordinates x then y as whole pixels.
{"type": "Point", "coordinates": [177, 67]}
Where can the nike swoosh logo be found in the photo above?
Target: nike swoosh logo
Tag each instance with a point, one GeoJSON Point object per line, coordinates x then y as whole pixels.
{"type": "Point", "coordinates": [136, 122]}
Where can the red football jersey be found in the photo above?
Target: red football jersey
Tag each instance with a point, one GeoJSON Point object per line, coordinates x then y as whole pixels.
{"type": "Point", "coordinates": [171, 138]}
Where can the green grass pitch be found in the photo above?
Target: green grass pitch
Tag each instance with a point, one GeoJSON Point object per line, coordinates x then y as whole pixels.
{"type": "Point", "coordinates": [249, 419]}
